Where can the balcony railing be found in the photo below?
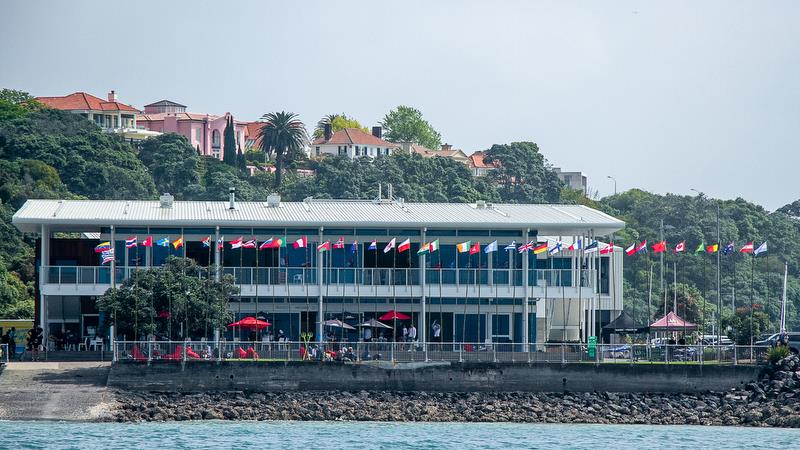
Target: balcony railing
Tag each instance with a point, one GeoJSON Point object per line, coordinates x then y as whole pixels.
{"type": "Point", "coordinates": [90, 275]}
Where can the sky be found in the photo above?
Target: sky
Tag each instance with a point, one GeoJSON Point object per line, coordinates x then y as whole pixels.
{"type": "Point", "coordinates": [662, 96]}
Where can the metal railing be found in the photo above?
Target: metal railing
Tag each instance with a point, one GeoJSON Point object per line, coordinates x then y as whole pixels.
{"type": "Point", "coordinates": [548, 353]}
{"type": "Point", "coordinates": [90, 275]}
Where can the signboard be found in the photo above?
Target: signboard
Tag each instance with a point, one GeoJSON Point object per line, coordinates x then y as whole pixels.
{"type": "Point", "coordinates": [592, 348]}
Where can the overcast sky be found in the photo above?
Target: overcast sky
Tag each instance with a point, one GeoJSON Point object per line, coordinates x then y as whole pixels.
{"type": "Point", "coordinates": [665, 96]}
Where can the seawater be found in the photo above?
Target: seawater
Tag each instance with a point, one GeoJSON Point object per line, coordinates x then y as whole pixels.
{"type": "Point", "coordinates": [371, 435]}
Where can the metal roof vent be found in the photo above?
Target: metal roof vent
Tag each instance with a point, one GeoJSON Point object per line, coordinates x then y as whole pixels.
{"type": "Point", "coordinates": [273, 200]}
{"type": "Point", "coordinates": [480, 204]}
{"type": "Point", "coordinates": [166, 200]}
{"type": "Point", "coordinates": [232, 198]}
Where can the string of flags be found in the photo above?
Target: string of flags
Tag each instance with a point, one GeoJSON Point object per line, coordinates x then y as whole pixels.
{"type": "Point", "coordinates": [551, 248]}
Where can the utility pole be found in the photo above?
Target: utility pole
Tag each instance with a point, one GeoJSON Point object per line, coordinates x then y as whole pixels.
{"type": "Point", "coordinates": [661, 261]}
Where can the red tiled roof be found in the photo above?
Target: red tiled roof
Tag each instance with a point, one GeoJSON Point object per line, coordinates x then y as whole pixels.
{"type": "Point", "coordinates": [476, 160]}
{"type": "Point", "coordinates": [252, 131]}
{"type": "Point", "coordinates": [84, 101]}
{"type": "Point", "coordinates": [349, 136]}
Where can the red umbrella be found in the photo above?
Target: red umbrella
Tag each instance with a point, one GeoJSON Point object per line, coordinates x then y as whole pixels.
{"type": "Point", "coordinates": [392, 315]}
{"type": "Point", "coordinates": [250, 323]}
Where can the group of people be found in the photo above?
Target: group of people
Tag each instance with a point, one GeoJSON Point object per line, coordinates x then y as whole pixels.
{"type": "Point", "coordinates": [9, 338]}
{"type": "Point", "coordinates": [33, 342]}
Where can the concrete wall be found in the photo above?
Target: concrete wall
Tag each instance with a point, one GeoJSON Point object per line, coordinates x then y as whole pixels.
{"type": "Point", "coordinates": [457, 377]}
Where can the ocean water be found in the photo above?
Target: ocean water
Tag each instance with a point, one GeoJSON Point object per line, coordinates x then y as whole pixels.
{"type": "Point", "coordinates": [372, 435]}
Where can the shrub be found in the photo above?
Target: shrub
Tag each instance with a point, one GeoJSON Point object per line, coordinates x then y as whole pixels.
{"type": "Point", "coordinates": [777, 353]}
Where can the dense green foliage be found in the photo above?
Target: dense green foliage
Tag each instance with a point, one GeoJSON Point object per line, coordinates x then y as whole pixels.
{"type": "Point", "coordinates": [406, 124]}
{"type": "Point", "coordinates": [284, 135]}
{"type": "Point", "coordinates": [159, 300]}
{"type": "Point", "coordinates": [229, 153]}
{"type": "Point", "coordinates": [174, 165]}
{"type": "Point", "coordinates": [337, 122]}
{"type": "Point", "coordinates": [524, 175]}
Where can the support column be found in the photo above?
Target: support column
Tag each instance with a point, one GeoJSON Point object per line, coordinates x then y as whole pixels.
{"type": "Point", "coordinates": [422, 323]}
{"type": "Point", "coordinates": [43, 263]}
{"type": "Point", "coordinates": [320, 306]}
{"type": "Point", "coordinates": [216, 254]}
{"type": "Point", "coordinates": [525, 306]}
{"type": "Point", "coordinates": [113, 260]}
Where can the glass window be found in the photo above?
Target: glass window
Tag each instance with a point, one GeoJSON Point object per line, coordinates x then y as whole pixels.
{"type": "Point", "coordinates": [474, 232]}
{"type": "Point", "coordinates": [513, 233]}
{"type": "Point", "coordinates": [198, 134]}
{"type": "Point", "coordinates": [402, 232]}
{"type": "Point", "coordinates": [317, 151]}
{"type": "Point", "coordinates": [371, 231]}
{"type": "Point", "coordinates": [339, 232]}
{"type": "Point", "coordinates": [441, 233]}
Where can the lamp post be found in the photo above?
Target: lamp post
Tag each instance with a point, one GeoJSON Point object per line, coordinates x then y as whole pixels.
{"type": "Point", "coordinates": [615, 183]}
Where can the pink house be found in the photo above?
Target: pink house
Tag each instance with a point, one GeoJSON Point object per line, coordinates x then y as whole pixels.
{"type": "Point", "coordinates": [204, 131]}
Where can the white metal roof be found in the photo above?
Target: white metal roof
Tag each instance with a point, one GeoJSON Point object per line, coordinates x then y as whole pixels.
{"type": "Point", "coordinates": [85, 215]}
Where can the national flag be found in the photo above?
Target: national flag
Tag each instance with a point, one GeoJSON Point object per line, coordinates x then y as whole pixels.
{"type": "Point", "coordinates": [339, 243]}
{"type": "Point", "coordinates": [424, 249]}
{"type": "Point", "coordinates": [107, 256]}
{"type": "Point", "coordinates": [325, 246]}
{"type": "Point", "coordinates": [178, 243]}
{"type": "Point", "coordinates": [680, 248]}
{"type": "Point", "coordinates": [576, 245]}
{"type": "Point", "coordinates": [249, 244]}
{"type": "Point", "coordinates": [525, 247]}
{"type": "Point", "coordinates": [206, 241]}
{"type": "Point", "coordinates": [511, 246]}
{"type": "Point", "coordinates": [748, 248]}
{"type": "Point", "coordinates": [279, 243]}
{"type": "Point", "coordinates": [713, 248]}
{"type": "Point", "coordinates": [163, 242]}
{"type": "Point", "coordinates": [761, 249]}
{"type": "Point", "coordinates": [700, 248]}
{"type": "Point", "coordinates": [433, 246]}
{"type": "Point", "coordinates": [221, 242]}
{"type": "Point", "coordinates": [354, 247]}
{"type": "Point", "coordinates": [630, 251]}
{"type": "Point", "coordinates": [642, 247]}
{"type": "Point", "coordinates": [236, 243]}
{"type": "Point", "coordinates": [390, 245]}
{"type": "Point", "coordinates": [130, 242]}
{"type": "Point", "coordinates": [728, 249]}
{"type": "Point", "coordinates": [300, 243]}
{"type": "Point", "coordinates": [540, 248]}
{"type": "Point", "coordinates": [490, 248]}
{"type": "Point", "coordinates": [591, 248]}
{"type": "Point", "coordinates": [269, 243]}
{"type": "Point", "coordinates": [464, 246]}
{"type": "Point", "coordinates": [608, 249]}
{"type": "Point", "coordinates": [475, 248]}
{"type": "Point", "coordinates": [405, 245]}
{"type": "Point", "coordinates": [101, 247]}
{"type": "Point", "coordinates": [148, 242]}
{"type": "Point", "coordinates": [555, 249]}
{"type": "Point", "coordinates": [373, 245]}
{"type": "Point", "coordinates": [660, 247]}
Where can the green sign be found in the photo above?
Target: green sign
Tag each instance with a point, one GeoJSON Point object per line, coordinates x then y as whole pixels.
{"type": "Point", "coordinates": [592, 346]}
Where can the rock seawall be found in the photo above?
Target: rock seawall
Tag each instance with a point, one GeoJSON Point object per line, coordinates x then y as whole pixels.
{"type": "Point", "coordinates": [773, 400]}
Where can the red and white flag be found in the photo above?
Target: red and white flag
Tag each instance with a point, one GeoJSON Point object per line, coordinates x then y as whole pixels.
{"type": "Point", "coordinates": [680, 247]}
{"type": "Point", "coordinates": [748, 248]}
{"type": "Point", "coordinates": [630, 251]}
{"type": "Point", "coordinates": [300, 243]}
{"type": "Point", "coordinates": [390, 245]}
{"type": "Point", "coordinates": [405, 245]}
{"type": "Point", "coordinates": [249, 244]}
{"type": "Point", "coordinates": [236, 243]}
{"type": "Point", "coordinates": [608, 249]}
{"type": "Point", "coordinates": [148, 242]}
{"type": "Point", "coordinates": [339, 243]}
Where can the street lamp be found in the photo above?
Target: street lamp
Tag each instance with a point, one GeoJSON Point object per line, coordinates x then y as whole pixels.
{"type": "Point", "coordinates": [615, 183]}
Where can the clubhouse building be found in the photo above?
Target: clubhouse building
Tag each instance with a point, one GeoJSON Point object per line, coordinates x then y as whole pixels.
{"type": "Point", "coordinates": [502, 295]}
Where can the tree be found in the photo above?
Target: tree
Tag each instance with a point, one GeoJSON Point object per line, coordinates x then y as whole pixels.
{"type": "Point", "coordinates": [523, 174]}
{"type": "Point", "coordinates": [160, 299]}
{"type": "Point", "coordinates": [15, 104]}
{"type": "Point", "coordinates": [405, 124]}
{"type": "Point", "coordinates": [285, 135]}
{"type": "Point", "coordinates": [229, 153]}
{"type": "Point", "coordinates": [16, 297]}
{"type": "Point", "coordinates": [173, 163]}
{"type": "Point", "coordinates": [337, 122]}
{"type": "Point", "coordinates": [791, 209]}
{"type": "Point", "coordinates": [744, 326]}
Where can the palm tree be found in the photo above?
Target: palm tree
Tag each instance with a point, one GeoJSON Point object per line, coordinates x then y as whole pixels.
{"type": "Point", "coordinates": [326, 120]}
{"type": "Point", "coordinates": [284, 134]}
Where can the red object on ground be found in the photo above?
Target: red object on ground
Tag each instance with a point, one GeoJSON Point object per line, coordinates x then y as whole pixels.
{"type": "Point", "coordinates": [672, 322]}
{"type": "Point", "coordinates": [177, 355]}
{"type": "Point", "coordinates": [191, 353]}
{"type": "Point", "coordinates": [392, 315]}
{"type": "Point", "coordinates": [251, 353]}
{"type": "Point", "coordinates": [137, 354]}
{"type": "Point", "coordinates": [250, 323]}
{"type": "Point", "coordinates": [241, 353]}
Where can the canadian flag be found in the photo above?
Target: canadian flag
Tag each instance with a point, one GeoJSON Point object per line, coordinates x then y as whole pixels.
{"type": "Point", "coordinates": [300, 243]}
{"type": "Point", "coordinates": [680, 247]}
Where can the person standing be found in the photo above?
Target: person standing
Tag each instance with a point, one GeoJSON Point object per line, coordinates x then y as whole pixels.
{"type": "Point", "coordinates": [12, 342]}
{"type": "Point", "coordinates": [437, 331]}
{"type": "Point", "coordinates": [412, 333]}
{"type": "Point", "coordinates": [367, 334]}
{"type": "Point", "coordinates": [405, 333]}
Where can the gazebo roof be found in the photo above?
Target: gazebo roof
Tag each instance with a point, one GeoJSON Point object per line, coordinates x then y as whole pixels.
{"type": "Point", "coordinates": [672, 322]}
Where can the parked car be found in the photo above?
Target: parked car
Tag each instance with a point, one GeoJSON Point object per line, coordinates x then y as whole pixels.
{"type": "Point", "coordinates": [772, 341]}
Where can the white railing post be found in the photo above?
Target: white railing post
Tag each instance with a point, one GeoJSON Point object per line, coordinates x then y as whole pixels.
{"type": "Point", "coordinates": [149, 351]}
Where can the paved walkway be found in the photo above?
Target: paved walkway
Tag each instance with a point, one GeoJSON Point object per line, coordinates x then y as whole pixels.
{"type": "Point", "coordinates": [55, 391]}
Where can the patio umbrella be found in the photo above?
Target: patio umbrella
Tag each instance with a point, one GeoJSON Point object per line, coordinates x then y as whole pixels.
{"type": "Point", "coordinates": [372, 323]}
{"type": "Point", "coordinates": [250, 323]}
{"type": "Point", "coordinates": [338, 324]}
{"type": "Point", "coordinates": [394, 315]}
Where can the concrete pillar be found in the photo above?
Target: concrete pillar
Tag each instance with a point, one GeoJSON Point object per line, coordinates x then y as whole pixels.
{"type": "Point", "coordinates": [525, 305]}
{"type": "Point", "coordinates": [216, 254]}
{"type": "Point", "coordinates": [422, 323]}
{"type": "Point", "coordinates": [43, 263]}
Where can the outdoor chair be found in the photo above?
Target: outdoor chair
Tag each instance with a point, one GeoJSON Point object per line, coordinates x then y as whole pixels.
{"type": "Point", "coordinates": [96, 342]}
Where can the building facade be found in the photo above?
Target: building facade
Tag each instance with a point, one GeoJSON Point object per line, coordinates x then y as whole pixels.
{"type": "Point", "coordinates": [111, 115]}
{"type": "Point", "coordinates": [204, 131]}
{"type": "Point", "coordinates": [574, 180]}
{"type": "Point", "coordinates": [353, 143]}
{"type": "Point", "coordinates": [498, 296]}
